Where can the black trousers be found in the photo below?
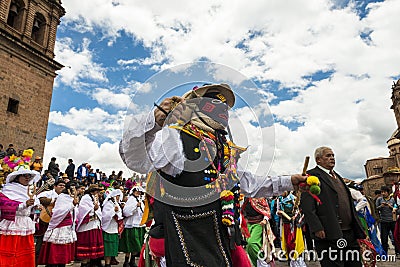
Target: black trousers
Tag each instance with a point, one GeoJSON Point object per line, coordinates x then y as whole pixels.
{"type": "Point", "coordinates": [387, 227]}
{"type": "Point", "coordinates": [339, 253]}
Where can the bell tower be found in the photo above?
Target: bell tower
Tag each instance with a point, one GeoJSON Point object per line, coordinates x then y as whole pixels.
{"type": "Point", "coordinates": [27, 70]}
{"type": "Point", "coordinates": [396, 101]}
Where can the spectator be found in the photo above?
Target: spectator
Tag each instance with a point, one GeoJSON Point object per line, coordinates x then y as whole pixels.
{"type": "Point", "coordinates": [374, 211]}
{"type": "Point", "coordinates": [129, 184]}
{"type": "Point", "coordinates": [91, 177]}
{"type": "Point", "coordinates": [37, 164]}
{"type": "Point", "coordinates": [2, 152]}
{"type": "Point", "coordinates": [65, 178]}
{"type": "Point", "coordinates": [119, 176]}
{"type": "Point", "coordinates": [70, 170]}
{"type": "Point", "coordinates": [112, 176]}
{"type": "Point", "coordinates": [82, 172]}
{"type": "Point", "coordinates": [385, 206]}
{"type": "Point", "coordinates": [53, 168]}
{"type": "Point", "coordinates": [10, 150]}
{"type": "Point", "coordinates": [98, 176]}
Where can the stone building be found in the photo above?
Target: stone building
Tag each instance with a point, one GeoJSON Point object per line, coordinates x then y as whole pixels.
{"type": "Point", "coordinates": [27, 70]}
{"type": "Point", "coordinates": [386, 170]}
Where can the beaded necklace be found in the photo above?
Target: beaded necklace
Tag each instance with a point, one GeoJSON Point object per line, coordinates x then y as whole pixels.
{"type": "Point", "coordinates": [228, 197]}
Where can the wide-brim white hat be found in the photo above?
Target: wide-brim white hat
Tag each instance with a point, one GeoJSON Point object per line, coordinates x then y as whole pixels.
{"type": "Point", "coordinates": [35, 176]}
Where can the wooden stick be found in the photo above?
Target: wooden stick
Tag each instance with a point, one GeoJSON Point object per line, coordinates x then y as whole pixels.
{"type": "Point", "coordinates": [305, 166]}
{"type": "Point", "coordinates": [284, 214]}
{"type": "Point", "coordinates": [298, 193]}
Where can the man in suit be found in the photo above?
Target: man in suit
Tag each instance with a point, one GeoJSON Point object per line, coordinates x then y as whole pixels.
{"type": "Point", "coordinates": [334, 224]}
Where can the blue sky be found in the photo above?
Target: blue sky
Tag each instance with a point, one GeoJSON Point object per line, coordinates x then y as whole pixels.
{"type": "Point", "coordinates": [322, 69]}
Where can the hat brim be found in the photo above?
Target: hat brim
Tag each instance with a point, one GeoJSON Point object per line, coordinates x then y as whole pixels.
{"type": "Point", "coordinates": [224, 89]}
{"type": "Point", "coordinates": [137, 188]}
{"type": "Point", "coordinates": [34, 175]}
{"type": "Point", "coordinates": [94, 189]}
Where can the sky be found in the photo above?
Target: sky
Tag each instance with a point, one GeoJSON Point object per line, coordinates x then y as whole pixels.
{"type": "Point", "coordinates": [306, 73]}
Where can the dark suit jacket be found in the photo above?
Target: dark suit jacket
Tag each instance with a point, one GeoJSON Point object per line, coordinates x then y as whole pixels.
{"type": "Point", "coordinates": [325, 216]}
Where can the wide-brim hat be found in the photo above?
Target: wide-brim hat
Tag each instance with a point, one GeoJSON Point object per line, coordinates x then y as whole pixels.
{"type": "Point", "coordinates": [93, 187]}
{"type": "Point", "coordinates": [34, 175]}
{"type": "Point", "coordinates": [64, 175]}
{"type": "Point", "coordinates": [223, 88]}
{"type": "Point", "coordinates": [137, 188]}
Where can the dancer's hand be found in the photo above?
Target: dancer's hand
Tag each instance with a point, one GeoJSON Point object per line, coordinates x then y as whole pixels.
{"type": "Point", "coordinates": [320, 234]}
{"type": "Point", "coordinates": [297, 179]}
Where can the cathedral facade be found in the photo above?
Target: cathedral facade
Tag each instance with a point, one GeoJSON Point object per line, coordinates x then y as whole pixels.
{"type": "Point", "coordinates": [27, 70]}
{"type": "Point", "coordinates": [386, 170]}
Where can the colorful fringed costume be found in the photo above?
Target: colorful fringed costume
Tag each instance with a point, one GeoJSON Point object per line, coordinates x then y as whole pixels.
{"type": "Point", "coordinates": [260, 243]}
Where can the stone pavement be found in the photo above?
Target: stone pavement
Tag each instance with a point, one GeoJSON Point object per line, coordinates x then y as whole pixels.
{"type": "Point", "coordinates": [392, 263]}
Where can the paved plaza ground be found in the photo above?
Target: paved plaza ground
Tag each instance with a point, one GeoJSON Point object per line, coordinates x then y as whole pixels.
{"type": "Point", "coordinates": [393, 263]}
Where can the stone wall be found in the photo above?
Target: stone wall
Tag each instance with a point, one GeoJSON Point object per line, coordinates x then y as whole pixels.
{"type": "Point", "coordinates": [27, 72]}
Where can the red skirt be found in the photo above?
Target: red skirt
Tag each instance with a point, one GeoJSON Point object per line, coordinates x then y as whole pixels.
{"type": "Point", "coordinates": [17, 251]}
{"type": "Point", "coordinates": [56, 253]}
{"type": "Point", "coordinates": [89, 244]}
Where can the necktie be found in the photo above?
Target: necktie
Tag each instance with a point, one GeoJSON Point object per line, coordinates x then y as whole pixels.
{"type": "Point", "coordinates": [332, 174]}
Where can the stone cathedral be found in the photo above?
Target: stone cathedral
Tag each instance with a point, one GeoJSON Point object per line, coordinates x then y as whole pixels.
{"type": "Point", "coordinates": [386, 170]}
{"type": "Point", "coordinates": [27, 70]}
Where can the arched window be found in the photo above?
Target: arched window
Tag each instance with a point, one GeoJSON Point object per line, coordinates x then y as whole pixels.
{"type": "Point", "coordinates": [16, 14]}
{"type": "Point", "coordinates": [38, 28]}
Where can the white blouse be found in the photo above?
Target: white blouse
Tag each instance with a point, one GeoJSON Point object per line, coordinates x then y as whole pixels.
{"type": "Point", "coordinates": [23, 224]}
{"type": "Point", "coordinates": [132, 213]}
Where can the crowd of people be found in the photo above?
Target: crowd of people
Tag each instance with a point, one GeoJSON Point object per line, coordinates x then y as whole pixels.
{"type": "Point", "coordinates": [66, 218]}
{"type": "Point", "coordinates": [196, 207]}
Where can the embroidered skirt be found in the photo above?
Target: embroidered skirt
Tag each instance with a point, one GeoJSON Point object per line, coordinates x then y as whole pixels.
{"type": "Point", "coordinates": [110, 244]}
{"type": "Point", "coordinates": [89, 244]}
{"type": "Point", "coordinates": [132, 240]}
{"type": "Point", "coordinates": [195, 236]}
{"type": "Point", "coordinates": [17, 251]}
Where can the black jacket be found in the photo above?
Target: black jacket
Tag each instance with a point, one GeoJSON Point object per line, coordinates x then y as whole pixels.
{"type": "Point", "coordinates": [325, 216]}
{"type": "Point", "coordinates": [70, 170]}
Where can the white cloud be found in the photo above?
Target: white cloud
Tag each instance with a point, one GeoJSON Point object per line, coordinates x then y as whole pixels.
{"type": "Point", "coordinates": [330, 116]}
{"type": "Point", "coordinates": [134, 87]}
{"type": "Point", "coordinates": [267, 41]}
{"type": "Point", "coordinates": [96, 122]}
{"type": "Point", "coordinates": [79, 63]}
{"type": "Point", "coordinates": [81, 149]}
{"type": "Point", "coordinates": [107, 97]}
